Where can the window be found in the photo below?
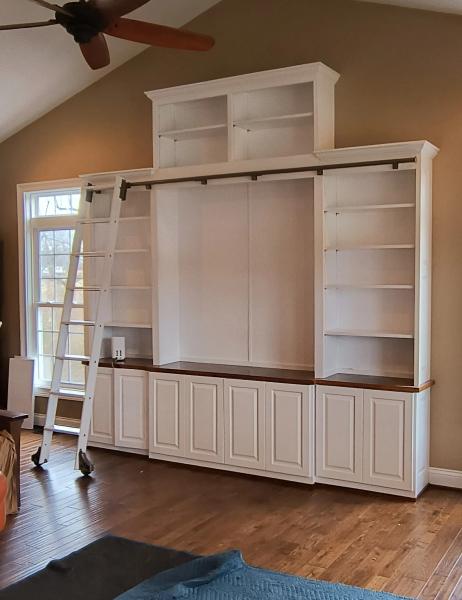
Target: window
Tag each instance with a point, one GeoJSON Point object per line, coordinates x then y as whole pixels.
{"type": "Point", "coordinates": [49, 223]}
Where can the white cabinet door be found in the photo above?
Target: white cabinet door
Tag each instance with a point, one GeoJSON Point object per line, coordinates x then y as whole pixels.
{"type": "Point", "coordinates": [288, 429]}
{"type": "Point", "coordinates": [204, 418]}
{"type": "Point", "coordinates": [388, 439]}
{"type": "Point", "coordinates": [339, 433]}
{"type": "Point", "coordinates": [102, 421]}
{"type": "Point", "coordinates": [245, 423]}
{"type": "Point", "coordinates": [130, 408]}
{"type": "Point", "coordinates": [166, 414]}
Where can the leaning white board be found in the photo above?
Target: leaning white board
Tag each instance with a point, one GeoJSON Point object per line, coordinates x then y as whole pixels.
{"type": "Point", "coordinates": [21, 388]}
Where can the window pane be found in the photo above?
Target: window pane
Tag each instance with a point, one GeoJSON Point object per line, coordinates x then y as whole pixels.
{"type": "Point", "coordinates": [47, 242]}
{"type": "Point", "coordinates": [77, 373]}
{"type": "Point", "coordinates": [62, 241]}
{"type": "Point", "coordinates": [45, 319]}
{"type": "Point", "coordinates": [57, 318]}
{"type": "Point", "coordinates": [61, 265]}
{"type": "Point", "coordinates": [76, 343]}
{"type": "Point", "coordinates": [45, 343]}
{"type": "Point", "coordinates": [45, 366]}
{"type": "Point", "coordinates": [55, 203]}
{"type": "Point", "coordinates": [47, 290]}
{"type": "Point", "coordinates": [60, 288]}
{"type": "Point", "coordinates": [47, 266]}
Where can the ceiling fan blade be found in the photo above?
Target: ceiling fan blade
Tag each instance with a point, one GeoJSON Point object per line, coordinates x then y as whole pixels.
{"type": "Point", "coordinates": [53, 7]}
{"type": "Point", "coordinates": [159, 35]}
{"type": "Point", "coordinates": [117, 8]}
{"type": "Point", "coordinates": [96, 52]}
{"type": "Point", "coordinates": [28, 25]}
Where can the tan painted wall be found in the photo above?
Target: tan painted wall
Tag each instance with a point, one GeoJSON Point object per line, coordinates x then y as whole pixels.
{"type": "Point", "coordinates": [401, 80]}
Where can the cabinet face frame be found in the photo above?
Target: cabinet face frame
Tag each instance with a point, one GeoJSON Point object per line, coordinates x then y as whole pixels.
{"type": "Point", "coordinates": [203, 396]}
{"type": "Point", "coordinates": [173, 415]}
{"type": "Point", "coordinates": [253, 418]}
{"type": "Point", "coordinates": [299, 429]}
{"type": "Point", "coordinates": [122, 412]}
{"type": "Point", "coordinates": [388, 439]}
{"type": "Point", "coordinates": [328, 433]}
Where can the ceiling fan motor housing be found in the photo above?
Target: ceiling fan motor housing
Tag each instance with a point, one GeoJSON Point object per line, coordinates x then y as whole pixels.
{"type": "Point", "coordinates": [85, 23]}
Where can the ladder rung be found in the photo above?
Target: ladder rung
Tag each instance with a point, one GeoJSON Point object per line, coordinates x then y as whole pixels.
{"type": "Point", "coordinates": [67, 393]}
{"type": "Point", "coordinates": [81, 323]}
{"type": "Point", "coordinates": [86, 288]}
{"type": "Point", "coordinates": [92, 221]}
{"type": "Point", "coordinates": [74, 357]}
{"type": "Point", "coordinates": [90, 254]}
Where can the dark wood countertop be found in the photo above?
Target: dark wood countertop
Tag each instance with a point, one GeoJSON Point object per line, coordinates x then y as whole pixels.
{"type": "Point", "coordinates": [293, 376]}
{"type": "Point", "coordinates": [213, 370]}
{"type": "Point", "coordinates": [372, 382]}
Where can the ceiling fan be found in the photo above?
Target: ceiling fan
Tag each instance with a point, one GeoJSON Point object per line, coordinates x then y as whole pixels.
{"type": "Point", "coordinates": [88, 20]}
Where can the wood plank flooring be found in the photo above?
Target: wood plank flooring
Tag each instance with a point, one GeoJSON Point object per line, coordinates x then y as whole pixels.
{"type": "Point", "coordinates": [378, 542]}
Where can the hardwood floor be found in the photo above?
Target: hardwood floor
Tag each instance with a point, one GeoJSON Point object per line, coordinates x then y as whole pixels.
{"type": "Point", "coordinates": [383, 543]}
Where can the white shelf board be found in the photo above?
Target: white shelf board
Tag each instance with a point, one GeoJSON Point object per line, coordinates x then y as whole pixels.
{"type": "Point", "coordinates": [386, 286]}
{"type": "Point", "coordinates": [140, 218]}
{"type": "Point", "coordinates": [129, 325]}
{"type": "Point", "coordinates": [372, 247]}
{"type": "Point", "coordinates": [366, 207]}
{"type": "Point", "coordinates": [372, 334]}
{"type": "Point", "coordinates": [131, 287]}
{"type": "Point", "coordinates": [132, 251]}
{"type": "Point", "coordinates": [273, 122]}
{"type": "Point", "coordinates": [194, 132]}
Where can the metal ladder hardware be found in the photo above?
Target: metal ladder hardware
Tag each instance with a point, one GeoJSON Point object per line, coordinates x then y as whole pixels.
{"type": "Point", "coordinates": [82, 462]}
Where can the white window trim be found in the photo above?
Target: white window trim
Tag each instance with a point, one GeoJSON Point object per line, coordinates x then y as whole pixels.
{"type": "Point", "coordinates": [25, 254]}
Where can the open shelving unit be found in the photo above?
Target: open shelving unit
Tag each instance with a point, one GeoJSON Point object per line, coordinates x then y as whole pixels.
{"type": "Point", "coordinates": [277, 113]}
{"type": "Point", "coordinates": [130, 299]}
{"type": "Point", "coordinates": [373, 308]}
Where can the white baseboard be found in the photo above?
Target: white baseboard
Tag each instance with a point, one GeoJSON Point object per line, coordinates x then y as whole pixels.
{"type": "Point", "coordinates": [61, 421]}
{"type": "Point", "coordinates": [446, 477]}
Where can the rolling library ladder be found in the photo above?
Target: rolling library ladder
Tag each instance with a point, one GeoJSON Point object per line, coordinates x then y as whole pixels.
{"type": "Point", "coordinates": [102, 290]}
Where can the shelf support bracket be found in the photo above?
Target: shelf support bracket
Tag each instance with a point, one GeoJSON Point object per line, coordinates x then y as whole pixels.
{"type": "Point", "coordinates": [123, 189]}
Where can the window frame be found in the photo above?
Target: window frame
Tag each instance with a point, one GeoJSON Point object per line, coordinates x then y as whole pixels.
{"type": "Point", "coordinates": [29, 228]}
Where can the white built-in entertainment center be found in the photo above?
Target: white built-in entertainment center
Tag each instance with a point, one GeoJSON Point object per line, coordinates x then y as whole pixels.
{"type": "Point", "coordinates": [274, 292]}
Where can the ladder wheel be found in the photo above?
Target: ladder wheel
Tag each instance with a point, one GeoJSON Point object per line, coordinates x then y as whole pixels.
{"type": "Point", "coordinates": [36, 457]}
{"type": "Point", "coordinates": [85, 465]}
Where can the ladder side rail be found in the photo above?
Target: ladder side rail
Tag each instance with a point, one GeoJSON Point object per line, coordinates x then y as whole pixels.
{"type": "Point", "coordinates": [92, 371]}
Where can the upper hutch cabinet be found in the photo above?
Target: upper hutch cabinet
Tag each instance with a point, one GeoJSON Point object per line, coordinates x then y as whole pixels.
{"type": "Point", "coordinates": [279, 113]}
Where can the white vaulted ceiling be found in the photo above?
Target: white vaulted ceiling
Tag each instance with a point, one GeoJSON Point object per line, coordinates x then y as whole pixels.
{"type": "Point", "coordinates": [445, 6]}
{"type": "Point", "coordinates": [41, 68]}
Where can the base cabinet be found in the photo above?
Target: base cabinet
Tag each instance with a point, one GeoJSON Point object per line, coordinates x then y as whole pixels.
{"type": "Point", "coordinates": [102, 422]}
{"type": "Point", "coordinates": [248, 426]}
{"type": "Point", "coordinates": [203, 400]}
{"type": "Point", "coordinates": [130, 409]}
{"type": "Point", "coordinates": [245, 423]}
{"type": "Point", "coordinates": [166, 415]}
{"type": "Point", "coordinates": [388, 439]}
{"type": "Point", "coordinates": [289, 431]}
{"type": "Point", "coordinates": [372, 439]}
{"type": "Point", "coordinates": [339, 433]}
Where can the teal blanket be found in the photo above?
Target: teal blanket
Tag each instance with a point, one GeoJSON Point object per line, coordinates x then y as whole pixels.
{"type": "Point", "coordinates": [227, 577]}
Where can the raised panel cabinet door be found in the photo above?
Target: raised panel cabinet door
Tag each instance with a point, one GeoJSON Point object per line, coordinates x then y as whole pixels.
{"type": "Point", "coordinates": [339, 433]}
{"type": "Point", "coordinates": [166, 415]}
{"type": "Point", "coordinates": [102, 421]}
{"type": "Point", "coordinates": [130, 406]}
{"type": "Point", "coordinates": [388, 439]}
{"type": "Point", "coordinates": [245, 423]}
{"type": "Point", "coordinates": [204, 418]}
{"type": "Point", "coordinates": [288, 436]}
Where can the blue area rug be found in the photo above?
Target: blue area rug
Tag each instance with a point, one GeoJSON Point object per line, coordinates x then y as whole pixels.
{"type": "Point", "coordinates": [227, 577]}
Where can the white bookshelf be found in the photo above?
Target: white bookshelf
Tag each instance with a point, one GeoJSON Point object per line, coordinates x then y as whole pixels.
{"type": "Point", "coordinates": [129, 312]}
{"type": "Point", "coordinates": [373, 308]}
{"type": "Point", "coordinates": [271, 114]}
